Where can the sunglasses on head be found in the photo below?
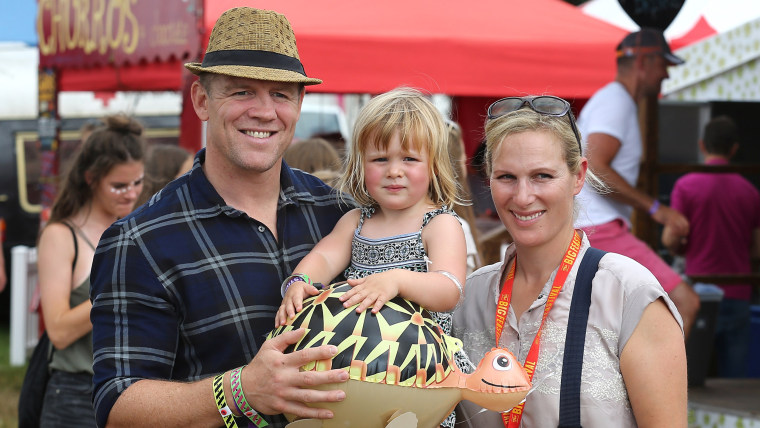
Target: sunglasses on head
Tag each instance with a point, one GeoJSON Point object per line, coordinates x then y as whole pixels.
{"type": "Point", "coordinates": [545, 104]}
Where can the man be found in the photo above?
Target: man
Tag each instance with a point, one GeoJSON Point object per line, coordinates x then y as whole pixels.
{"type": "Point", "coordinates": [185, 289]}
{"type": "Point", "coordinates": [609, 123]}
{"type": "Point", "coordinates": [724, 212]}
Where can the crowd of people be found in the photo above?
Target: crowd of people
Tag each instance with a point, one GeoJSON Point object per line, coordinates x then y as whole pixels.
{"type": "Point", "coordinates": [162, 272]}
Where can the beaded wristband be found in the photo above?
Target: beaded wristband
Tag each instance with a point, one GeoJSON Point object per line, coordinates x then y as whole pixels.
{"type": "Point", "coordinates": [291, 279]}
{"type": "Point", "coordinates": [227, 416]}
{"type": "Point", "coordinates": [655, 206]}
{"type": "Point", "coordinates": [241, 402]}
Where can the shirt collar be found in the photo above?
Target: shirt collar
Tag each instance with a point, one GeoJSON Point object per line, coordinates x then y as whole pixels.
{"type": "Point", "coordinates": [510, 253]}
{"type": "Point", "coordinates": [293, 189]}
{"type": "Point", "coordinates": [717, 161]}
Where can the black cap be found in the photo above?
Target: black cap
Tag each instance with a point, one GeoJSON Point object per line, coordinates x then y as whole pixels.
{"type": "Point", "coordinates": [647, 41]}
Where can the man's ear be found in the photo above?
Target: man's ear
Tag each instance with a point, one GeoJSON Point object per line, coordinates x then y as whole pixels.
{"type": "Point", "coordinates": [702, 148]}
{"type": "Point", "coordinates": [733, 150]}
{"type": "Point", "coordinates": [200, 100]}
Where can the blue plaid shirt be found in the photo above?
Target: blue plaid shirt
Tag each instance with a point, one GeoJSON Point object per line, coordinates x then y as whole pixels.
{"type": "Point", "coordinates": [187, 287]}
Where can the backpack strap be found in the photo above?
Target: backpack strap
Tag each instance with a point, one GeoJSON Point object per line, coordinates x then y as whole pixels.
{"type": "Point", "coordinates": [572, 364]}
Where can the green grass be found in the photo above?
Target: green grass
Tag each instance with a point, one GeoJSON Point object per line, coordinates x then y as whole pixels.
{"type": "Point", "coordinates": [10, 382]}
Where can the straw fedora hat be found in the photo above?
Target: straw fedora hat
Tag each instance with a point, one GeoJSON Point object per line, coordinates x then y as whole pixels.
{"type": "Point", "coordinates": [254, 44]}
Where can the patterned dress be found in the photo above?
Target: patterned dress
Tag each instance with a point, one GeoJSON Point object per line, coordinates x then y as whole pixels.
{"type": "Point", "coordinates": [405, 251]}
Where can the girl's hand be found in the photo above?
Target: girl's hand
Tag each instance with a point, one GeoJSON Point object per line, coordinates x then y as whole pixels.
{"type": "Point", "coordinates": [371, 291]}
{"type": "Point", "coordinates": [293, 301]}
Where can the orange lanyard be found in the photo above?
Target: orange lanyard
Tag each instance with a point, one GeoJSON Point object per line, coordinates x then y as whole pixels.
{"type": "Point", "coordinates": [512, 418]}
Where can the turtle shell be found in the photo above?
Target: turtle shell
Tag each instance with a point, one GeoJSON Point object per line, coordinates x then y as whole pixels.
{"type": "Point", "coordinates": [400, 345]}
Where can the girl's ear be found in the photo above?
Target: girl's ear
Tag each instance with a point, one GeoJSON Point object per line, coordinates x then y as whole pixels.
{"type": "Point", "coordinates": [88, 178]}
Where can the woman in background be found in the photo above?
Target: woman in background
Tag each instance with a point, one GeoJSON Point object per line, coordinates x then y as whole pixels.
{"type": "Point", "coordinates": [163, 163]}
{"type": "Point", "coordinates": [317, 157]}
{"type": "Point", "coordinates": [101, 186]}
{"type": "Point", "coordinates": [466, 213]}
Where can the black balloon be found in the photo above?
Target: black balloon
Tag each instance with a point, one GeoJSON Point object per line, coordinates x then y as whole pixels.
{"type": "Point", "coordinates": [652, 13]}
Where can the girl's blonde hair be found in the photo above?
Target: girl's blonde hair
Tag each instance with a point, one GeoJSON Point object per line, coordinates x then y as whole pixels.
{"type": "Point", "coordinates": [420, 126]}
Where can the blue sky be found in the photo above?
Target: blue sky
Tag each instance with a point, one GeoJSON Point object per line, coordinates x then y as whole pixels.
{"type": "Point", "coordinates": [18, 25]}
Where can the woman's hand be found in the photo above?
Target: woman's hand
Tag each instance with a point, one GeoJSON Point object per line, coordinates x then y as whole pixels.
{"type": "Point", "coordinates": [293, 301]}
{"type": "Point", "coordinates": [371, 291]}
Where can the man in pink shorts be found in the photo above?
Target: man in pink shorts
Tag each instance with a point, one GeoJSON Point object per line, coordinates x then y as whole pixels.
{"type": "Point", "coordinates": [609, 124]}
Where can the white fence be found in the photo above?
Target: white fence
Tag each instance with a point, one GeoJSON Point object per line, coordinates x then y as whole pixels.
{"type": "Point", "coordinates": [24, 318]}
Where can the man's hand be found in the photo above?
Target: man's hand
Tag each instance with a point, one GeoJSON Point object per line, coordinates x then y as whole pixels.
{"type": "Point", "coordinates": [673, 219]}
{"type": "Point", "coordinates": [274, 383]}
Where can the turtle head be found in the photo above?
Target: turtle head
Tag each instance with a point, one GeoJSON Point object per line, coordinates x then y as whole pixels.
{"type": "Point", "coordinates": [499, 383]}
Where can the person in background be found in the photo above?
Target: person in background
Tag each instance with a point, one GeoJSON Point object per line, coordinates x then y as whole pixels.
{"type": "Point", "coordinates": [466, 213]}
{"type": "Point", "coordinates": [723, 210]}
{"type": "Point", "coordinates": [3, 277]}
{"type": "Point", "coordinates": [609, 122]}
{"type": "Point", "coordinates": [164, 163]}
{"type": "Point", "coordinates": [101, 187]}
{"type": "Point", "coordinates": [634, 358]}
{"type": "Point", "coordinates": [186, 288]}
{"type": "Point", "coordinates": [315, 156]}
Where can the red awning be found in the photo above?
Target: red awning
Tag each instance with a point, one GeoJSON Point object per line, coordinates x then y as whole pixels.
{"type": "Point", "coordinates": [479, 48]}
{"type": "Point", "coordinates": [146, 76]}
{"type": "Point", "coordinates": [476, 48]}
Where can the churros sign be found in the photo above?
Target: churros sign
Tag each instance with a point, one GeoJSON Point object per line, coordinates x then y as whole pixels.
{"type": "Point", "coordinates": [98, 32]}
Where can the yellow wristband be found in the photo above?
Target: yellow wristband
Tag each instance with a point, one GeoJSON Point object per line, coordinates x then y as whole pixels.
{"type": "Point", "coordinates": [227, 416]}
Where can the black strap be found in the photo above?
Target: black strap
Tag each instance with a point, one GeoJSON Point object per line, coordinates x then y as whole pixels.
{"type": "Point", "coordinates": [572, 365]}
{"type": "Point", "coordinates": [76, 246]}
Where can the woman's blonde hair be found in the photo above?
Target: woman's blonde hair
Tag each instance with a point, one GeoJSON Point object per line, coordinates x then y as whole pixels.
{"type": "Point", "coordinates": [526, 119]}
{"type": "Point", "coordinates": [420, 126]}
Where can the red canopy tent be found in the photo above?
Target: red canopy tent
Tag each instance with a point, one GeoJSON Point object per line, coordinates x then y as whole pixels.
{"type": "Point", "coordinates": [475, 51]}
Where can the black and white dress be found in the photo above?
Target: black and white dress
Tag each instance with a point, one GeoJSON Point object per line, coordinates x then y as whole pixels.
{"type": "Point", "coordinates": [405, 251]}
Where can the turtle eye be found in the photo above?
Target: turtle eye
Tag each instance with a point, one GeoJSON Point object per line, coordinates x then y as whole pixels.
{"type": "Point", "coordinates": [502, 362]}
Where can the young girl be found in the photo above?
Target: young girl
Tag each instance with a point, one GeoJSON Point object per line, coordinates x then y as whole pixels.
{"type": "Point", "coordinates": [405, 239]}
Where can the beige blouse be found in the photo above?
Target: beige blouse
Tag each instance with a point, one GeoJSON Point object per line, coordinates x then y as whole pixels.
{"type": "Point", "coordinates": [621, 290]}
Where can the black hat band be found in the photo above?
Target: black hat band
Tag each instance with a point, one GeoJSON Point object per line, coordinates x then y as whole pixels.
{"type": "Point", "coordinates": [253, 58]}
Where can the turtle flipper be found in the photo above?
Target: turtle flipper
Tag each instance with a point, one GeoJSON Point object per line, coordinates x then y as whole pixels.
{"type": "Point", "coordinates": [402, 420]}
{"type": "Point", "coordinates": [305, 423]}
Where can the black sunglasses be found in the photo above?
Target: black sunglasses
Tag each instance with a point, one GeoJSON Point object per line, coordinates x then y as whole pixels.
{"type": "Point", "coordinates": [545, 104]}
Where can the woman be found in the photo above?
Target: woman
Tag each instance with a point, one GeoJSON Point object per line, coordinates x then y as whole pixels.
{"type": "Point", "coordinates": [634, 362]}
{"type": "Point", "coordinates": [317, 157]}
{"type": "Point", "coordinates": [101, 187]}
{"type": "Point", "coordinates": [163, 163]}
{"type": "Point", "coordinates": [466, 213]}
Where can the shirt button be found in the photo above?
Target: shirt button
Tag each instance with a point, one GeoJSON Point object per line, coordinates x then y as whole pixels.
{"type": "Point", "coordinates": [262, 229]}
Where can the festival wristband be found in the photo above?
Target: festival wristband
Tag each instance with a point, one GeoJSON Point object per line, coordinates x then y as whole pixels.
{"type": "Point", "coordinates": [241, 402]}
{"type": "Point", "coordinates": [655, 206]}
{"type": "Point", "coordinates": [227, 416]}
{"type": "Point", "coordinates": [293, 278]}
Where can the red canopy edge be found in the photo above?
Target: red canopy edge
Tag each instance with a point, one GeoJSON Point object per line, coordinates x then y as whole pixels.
{"type": "Point", "coordinates": [148, 76]}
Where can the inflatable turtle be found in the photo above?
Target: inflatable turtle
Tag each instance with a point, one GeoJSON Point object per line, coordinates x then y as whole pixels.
{"type": "Point", "coordinates": [401, 366]}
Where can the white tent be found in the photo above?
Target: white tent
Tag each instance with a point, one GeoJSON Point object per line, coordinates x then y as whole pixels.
{"type": "Point", "coordinates": [722, 48]}
{"type": "Point", "coordinates": [720, 15]}
{"type": "Point", "coordinates": [18, 97]}
{"type": "Point", "coordinates": [723, 67]}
